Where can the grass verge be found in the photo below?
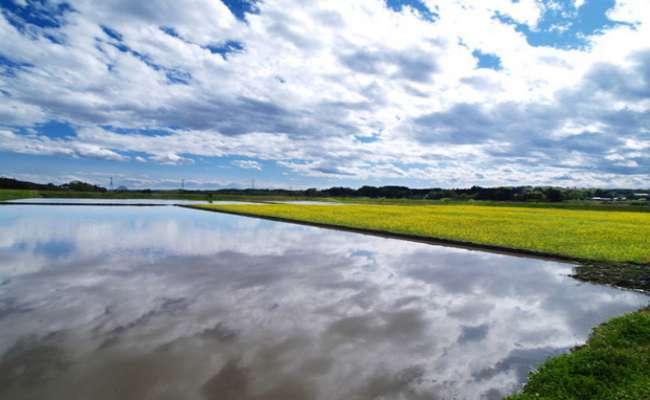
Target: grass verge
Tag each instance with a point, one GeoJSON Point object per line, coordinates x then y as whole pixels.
{"type": "Point", "coordinates": [613, 364]}
{"type": "Point", "coordinates": [10, 194]}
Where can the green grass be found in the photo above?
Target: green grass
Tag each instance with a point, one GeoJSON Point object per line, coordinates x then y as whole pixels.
{"type": "Point", "coordinates": [614, 237]}
{"type": "Point", "coordinates": [614, 364]}
{"type": "Point", "coordinates": [9, 194]}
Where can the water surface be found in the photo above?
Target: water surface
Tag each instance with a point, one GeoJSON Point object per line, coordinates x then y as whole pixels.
{"type": "Point", "coordinates": [170, 303]}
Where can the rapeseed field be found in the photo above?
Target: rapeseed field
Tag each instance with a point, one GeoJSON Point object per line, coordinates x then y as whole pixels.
{"type": "Point", "coordinates": [617, 236]}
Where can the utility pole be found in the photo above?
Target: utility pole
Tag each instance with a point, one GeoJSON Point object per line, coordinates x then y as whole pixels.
{"type": "Point", "coordinates": [111, 183]}
{"type": "Point", "coordinates": [182, 184]}
{"type": "Point", "coordinates": [253, 183]}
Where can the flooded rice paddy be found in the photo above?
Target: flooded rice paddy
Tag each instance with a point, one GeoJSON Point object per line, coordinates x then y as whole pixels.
{"type": "Point", "coordinates": [171, 303]}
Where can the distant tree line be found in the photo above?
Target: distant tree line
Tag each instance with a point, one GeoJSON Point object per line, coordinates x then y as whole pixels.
{"type": "Point", "coordinates": [73, 186]}
{"type": "Point", "coordinates": [505, 193]}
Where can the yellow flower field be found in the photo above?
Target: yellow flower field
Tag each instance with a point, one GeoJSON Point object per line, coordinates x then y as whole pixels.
{"type": "Point", "coordinates": [618, 236]}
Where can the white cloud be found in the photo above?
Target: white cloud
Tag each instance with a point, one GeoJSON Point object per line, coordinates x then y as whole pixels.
{"type": "Point", "coordinates": [42, 145]}
{"type": "Point", "coordinates": [247, 164]}
{"type": "Point", "coordinates": [310, 80]}
{"type": "Point", "coordinates": [633, 11]}
{"type": "Point", "coordinates": [171, 159]}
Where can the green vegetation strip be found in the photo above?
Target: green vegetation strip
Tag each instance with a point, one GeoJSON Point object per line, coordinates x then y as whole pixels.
{"type": "Point", "coordinates": [10, 194]}
{"type": "Point", "coordinates": [614, 364]}
{"type": "Point", "coordinates": [610, 237]}
{"type": "Point", "coordinates": [16, 194]}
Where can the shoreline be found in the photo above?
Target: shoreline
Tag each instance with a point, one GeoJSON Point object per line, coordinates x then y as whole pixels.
{"type": "Point", "coordinates": [598, 272]}
{"type": "Point", "coordinates": [25, 203]}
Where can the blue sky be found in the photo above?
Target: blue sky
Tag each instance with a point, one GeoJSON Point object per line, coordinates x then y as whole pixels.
{"type": "Point", "coordinates": [424, 93]}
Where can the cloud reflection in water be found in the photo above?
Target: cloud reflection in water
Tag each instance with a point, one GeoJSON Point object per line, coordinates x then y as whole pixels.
{"type": "Point", "coordinates": [162, 303]}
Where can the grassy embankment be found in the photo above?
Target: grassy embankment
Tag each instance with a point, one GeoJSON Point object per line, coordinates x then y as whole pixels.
{"type": "Point", "coordinates": [615, 363]}
{"type": "Point", "coordinates": [10, 194]}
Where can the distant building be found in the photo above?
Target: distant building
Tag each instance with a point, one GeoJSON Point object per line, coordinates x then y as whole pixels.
{"type": "Point", "coordinates": [621, 198]}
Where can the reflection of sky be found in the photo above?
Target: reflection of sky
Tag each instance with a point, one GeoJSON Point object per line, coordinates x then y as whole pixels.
{"type": "Point", "coordinates": [162, 303]}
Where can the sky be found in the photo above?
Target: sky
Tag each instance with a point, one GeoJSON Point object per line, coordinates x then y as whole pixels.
{"type": "Point", "coordinates": [298, 94]}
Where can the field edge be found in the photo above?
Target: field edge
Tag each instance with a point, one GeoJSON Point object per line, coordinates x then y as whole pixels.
{"type": "Point", "coordinates": [627, 275]}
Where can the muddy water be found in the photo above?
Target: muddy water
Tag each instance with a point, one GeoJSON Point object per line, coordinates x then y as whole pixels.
{"type": "Point", "coordinates": [170, 303]}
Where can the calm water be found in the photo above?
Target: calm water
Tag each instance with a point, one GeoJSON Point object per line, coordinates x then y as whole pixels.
{"type": "Point", "coordinates": [169, 303]}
